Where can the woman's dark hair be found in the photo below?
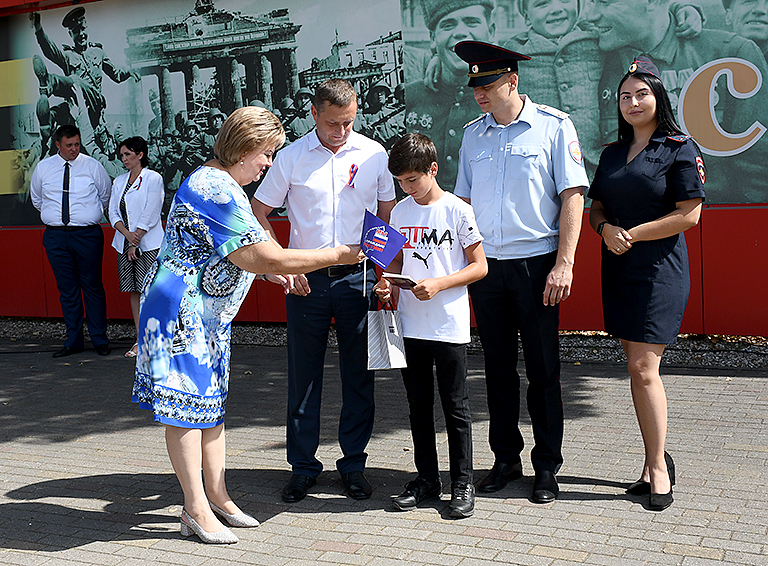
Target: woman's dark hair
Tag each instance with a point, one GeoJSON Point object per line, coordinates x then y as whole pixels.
{"type": "Point", "coordinates": [667, 123]}
{"type": "Point", "coordinates": [137, 145]}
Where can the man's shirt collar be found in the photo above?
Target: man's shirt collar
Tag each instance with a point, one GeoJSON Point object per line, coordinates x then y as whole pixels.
{"type": "Point", "coordinates": [526, 115]}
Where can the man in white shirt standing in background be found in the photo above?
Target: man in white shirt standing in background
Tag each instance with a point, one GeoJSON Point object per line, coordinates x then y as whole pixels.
{"type": "Point", "coordinates": [71, 191]}
{"type": "Point", "coordinates": [327, 180]}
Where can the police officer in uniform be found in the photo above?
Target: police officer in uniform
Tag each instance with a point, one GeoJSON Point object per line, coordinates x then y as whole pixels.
{"type": "Point", "coordinates": [82, 63]}
{"type": "Point", "coordinates": [522, 169]}
{"type": "Point", "coordinates": [441, 109]}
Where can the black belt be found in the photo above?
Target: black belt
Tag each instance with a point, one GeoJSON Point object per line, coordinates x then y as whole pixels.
{"type": "Point", "coordinates": [71, 228]}
{"type": "Point", "coordinates": [339, 270]}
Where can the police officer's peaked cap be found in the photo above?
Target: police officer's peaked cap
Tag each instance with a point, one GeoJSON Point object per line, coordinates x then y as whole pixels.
{"type": "Point", "coordinates": [75, 18]}
{"type": "Point", "coordinates": [487, 62]}
{"type": "Point", "coordinates": [436, 10]}
{"type": "Point", "coordinates": [642, 64]}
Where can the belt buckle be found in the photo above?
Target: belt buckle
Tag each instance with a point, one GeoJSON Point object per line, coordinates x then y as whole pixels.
{"type": "Point", "coordinates": [335, 270]}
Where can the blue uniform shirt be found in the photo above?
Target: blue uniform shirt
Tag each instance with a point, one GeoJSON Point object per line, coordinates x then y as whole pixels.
{"type": "Point", "coordinates": [513, 174]}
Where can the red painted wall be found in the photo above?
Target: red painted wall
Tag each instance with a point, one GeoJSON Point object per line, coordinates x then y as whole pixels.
{"type": "Point", "coordinates": [728, 258]}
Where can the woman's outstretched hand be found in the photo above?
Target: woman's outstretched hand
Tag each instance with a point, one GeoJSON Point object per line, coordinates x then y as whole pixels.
{"type": "Point", "coordinates": [350, 254]}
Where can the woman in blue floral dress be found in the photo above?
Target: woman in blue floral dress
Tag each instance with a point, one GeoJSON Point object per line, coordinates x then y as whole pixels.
{"type": "Point", "coordinates": [213, 245]}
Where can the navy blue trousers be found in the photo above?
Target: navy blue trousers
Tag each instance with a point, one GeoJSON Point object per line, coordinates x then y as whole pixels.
{"type": "Point", "coordinates": [75, 258]}
{"type": "Point", "coordinates": [510, 299]}
{"type": "Point", "coordinates": [309, 321]}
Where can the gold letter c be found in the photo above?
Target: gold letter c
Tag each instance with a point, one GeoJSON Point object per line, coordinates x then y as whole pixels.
{"type": "Point", "coordinates": [696, 103]}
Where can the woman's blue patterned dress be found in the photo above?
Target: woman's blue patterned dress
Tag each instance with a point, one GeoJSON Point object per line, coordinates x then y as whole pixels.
{"type": "Point", "coordinates": [190, 297]}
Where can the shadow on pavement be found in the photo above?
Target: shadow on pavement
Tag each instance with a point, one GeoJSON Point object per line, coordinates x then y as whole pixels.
{"type": "Point", "coordinates": [58, 400]}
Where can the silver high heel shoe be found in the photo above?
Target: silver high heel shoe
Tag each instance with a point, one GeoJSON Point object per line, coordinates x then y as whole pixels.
{"type": "Point", "coordinates": [238, 520]}
{"type": "Point", "coordinates": [189, 527]}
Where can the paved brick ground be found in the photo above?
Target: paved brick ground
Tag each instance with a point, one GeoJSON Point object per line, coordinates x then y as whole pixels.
{"type": "Point", "coordinates": [85, 478]}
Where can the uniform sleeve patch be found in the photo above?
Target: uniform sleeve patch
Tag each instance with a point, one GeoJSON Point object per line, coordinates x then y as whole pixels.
{"type": "Point", "coordinates": [575, 149]}
{"type": "Point", "coordinates": [700, 169]}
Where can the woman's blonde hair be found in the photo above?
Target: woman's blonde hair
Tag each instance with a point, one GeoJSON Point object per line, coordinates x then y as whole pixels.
{"type": "Point", "coordinates": [247, 129]}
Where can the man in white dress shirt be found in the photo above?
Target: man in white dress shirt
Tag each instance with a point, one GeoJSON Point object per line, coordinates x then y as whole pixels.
{"type": "Point", "coordinates": [327, 180]}
{"type": "Point", "coordinates": [71, 191]}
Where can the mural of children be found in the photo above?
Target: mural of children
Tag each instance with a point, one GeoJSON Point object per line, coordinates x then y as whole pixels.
{"type": "Point", "coordinates": [566, 64]}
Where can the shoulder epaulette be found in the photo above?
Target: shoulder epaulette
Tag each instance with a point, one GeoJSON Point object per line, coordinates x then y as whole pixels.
{"type": "Point", "coordinates": [553, 111]}
{"type": "Point", "coordinates": [468, 124]}
{"type": "Point", "coordinates": [679, 138]}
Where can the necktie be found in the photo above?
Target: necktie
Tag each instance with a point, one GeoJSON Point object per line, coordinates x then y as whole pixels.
{"type": "Point", "coordinates": [65, 196]}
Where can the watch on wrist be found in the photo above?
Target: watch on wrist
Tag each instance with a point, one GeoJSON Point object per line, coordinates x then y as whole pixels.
{"type": "Point", "coordinates": [600, 227]}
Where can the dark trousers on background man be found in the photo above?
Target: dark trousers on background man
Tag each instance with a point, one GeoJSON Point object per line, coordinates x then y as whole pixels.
{"type": "Point", "coordinates": [75, 254]}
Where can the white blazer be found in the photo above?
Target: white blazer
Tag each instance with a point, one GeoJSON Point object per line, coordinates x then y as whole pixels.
{"type": "Point", "coordinates": [143, 202]}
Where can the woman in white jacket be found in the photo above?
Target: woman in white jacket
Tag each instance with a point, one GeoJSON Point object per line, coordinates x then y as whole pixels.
{"type": "Point", "coordinates": [134, 210]}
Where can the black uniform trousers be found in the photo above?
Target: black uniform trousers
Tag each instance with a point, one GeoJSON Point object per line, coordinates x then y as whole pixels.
{"type": "Point", "coordinates": [510, 299]}
{"type": "Point", "coordinates": [75, 254]}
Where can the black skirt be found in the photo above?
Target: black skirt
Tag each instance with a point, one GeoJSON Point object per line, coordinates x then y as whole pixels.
{"type": "Point", "coordinates": [645, 290]}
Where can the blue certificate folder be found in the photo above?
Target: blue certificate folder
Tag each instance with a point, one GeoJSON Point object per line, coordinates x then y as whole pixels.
{"type": "Point", "coordinates": [380, 242]}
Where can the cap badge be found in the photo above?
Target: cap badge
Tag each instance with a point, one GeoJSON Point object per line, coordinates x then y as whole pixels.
{"type": "Point", "coordinates": [633, 67]}
{"type": "Point", "coordinates": [475, 68]}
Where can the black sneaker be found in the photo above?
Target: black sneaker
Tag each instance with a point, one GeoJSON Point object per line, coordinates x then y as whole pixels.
{"type": "Point", "coordinates": [462, 500]}
{"type": "Point", "coordinates": [417, 491]}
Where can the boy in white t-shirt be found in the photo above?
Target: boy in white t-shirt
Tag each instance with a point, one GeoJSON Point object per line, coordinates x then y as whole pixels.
{"type": "Point", "coordinates": [443, 254]}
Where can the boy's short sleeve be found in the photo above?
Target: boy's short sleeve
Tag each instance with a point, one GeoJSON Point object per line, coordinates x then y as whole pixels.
{"type": "Point", "coordinates": [466, 227]}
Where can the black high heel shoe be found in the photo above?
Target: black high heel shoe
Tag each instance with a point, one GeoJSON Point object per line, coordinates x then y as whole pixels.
{"type": "Point", "coordinates": [641, 487]}
{"type": "Point", "coordinates": [670, 467]}
{"type": "Point", "coordinates": [660, 501]}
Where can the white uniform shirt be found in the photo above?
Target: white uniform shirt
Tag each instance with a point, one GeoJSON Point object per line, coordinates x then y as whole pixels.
{"type": "Point", "coordinates": [437, 235]}
{"type": "Point", "coordinates": [514, 174]}
{"type": "Point", "coordinates": [89, 189]}
{"type": "Point", "coordinates": [324, 208]}
{"type": "Point", "coordinates": [143, 203]}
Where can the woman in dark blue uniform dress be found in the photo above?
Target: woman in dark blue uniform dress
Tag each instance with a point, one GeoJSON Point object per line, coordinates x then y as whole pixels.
{"type": "Point", "coordinates": [648, 189]}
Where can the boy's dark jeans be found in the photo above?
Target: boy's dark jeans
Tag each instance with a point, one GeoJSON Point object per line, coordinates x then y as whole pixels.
{"type": "Point", "coordinates": [450, 361]}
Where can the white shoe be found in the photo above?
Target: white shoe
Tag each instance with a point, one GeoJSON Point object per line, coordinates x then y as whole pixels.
{"type": "Point", "coordinates": [238, 520]}
{"type": "Point", "coordinates": [189, 527]}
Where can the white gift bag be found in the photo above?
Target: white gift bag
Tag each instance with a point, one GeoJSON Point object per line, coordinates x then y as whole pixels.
{"type": "Point", "coordinates": [385, 340]}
